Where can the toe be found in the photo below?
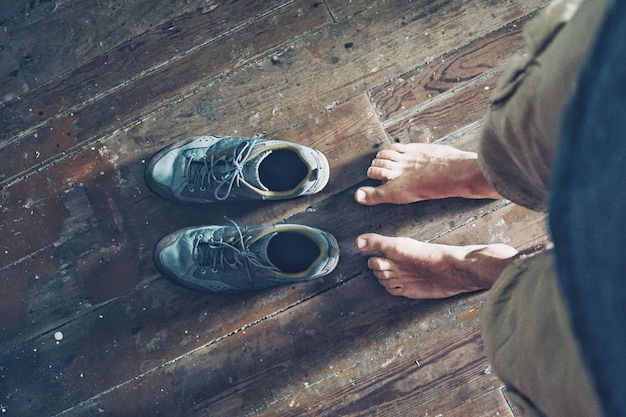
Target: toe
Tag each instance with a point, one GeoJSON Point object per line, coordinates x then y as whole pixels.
{"type": "Point", "coordinates": [379, 173]}
{"type": "Point", "coordinates": [372, 242]}
{"type": "Point", "coordinates": [382, 163]}
{"type": "Point", "coordinates": [361, 196]}
{"type": "Point", "coordinates": [380, 264]}
{"type": "Point", "coordinates": [388, 154]}
{"type": "Point", "coordinates": [384, 277]}
{"type": "Point", "coordinates": [369, 196]}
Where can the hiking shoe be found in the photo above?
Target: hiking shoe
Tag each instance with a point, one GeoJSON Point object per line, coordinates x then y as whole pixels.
{"type": "Point", "coordinates": [231, 258]}
{"type": "Point", "coordinates": [209, 168]}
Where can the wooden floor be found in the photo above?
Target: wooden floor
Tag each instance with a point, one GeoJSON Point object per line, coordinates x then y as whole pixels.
{"type": "Point", "coordinates": [90, 90]}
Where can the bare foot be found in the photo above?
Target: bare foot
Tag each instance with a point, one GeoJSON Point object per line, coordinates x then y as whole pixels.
{"type": "Point", "coordinates": [419, 171]}
{"type": "Point", "coordinates": [415, 269]}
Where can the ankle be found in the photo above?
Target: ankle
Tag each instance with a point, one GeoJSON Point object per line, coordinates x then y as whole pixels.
{"type": "Point", "coordinates": [478, 267]}
{"type": "Point", "coordinates": [485, 263]}
{"type": "Point", "coordinates": [473, 183]}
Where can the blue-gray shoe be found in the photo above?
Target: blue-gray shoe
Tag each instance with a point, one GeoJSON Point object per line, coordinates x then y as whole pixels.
{"type": "Point", "coordinates": [233, 258]}
{"type": "Point", "coordinates": [209, 168]}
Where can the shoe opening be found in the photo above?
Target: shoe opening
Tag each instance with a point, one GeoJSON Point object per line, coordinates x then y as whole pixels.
{"type": "Point", "coordinates": [282, 170]}
{"type": "Point", "coordinates": [292, 252]}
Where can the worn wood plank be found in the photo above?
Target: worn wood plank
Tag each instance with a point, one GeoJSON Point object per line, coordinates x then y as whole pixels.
{"type": "Point", "coordinates": [96, 218]}
{"type": "Point", "coordinates": [160, 323]}
{"type": "Point", "coordinates": [229, 375]}
{"type": "Point", "coordinates": [356, 54]}
{"type": "Point", "coordinates": [54, 208]}
{"type": "Point", "coordinates": [335, 360]}
{"type": "Point", "coordinates": [530, 229]}
{"type": "Point", "coordinates": [52, 38]}
{"type": "Point", "coordinates": [163, 45]}
{"type": "Point", "coordinates": [130, 102]}
{"type": "Point", "coordinates": [450, 114]}
{"type": "Point", "coordinates": [454, 69]}
{"type": "Point", "coordinates": [12, 83]}
{"type": "Point", "coordinates": [82, 222]}
{"type": "Point", "coordinates": [430, 10]}
{"type": "Point", "coordinates": [382, 55]}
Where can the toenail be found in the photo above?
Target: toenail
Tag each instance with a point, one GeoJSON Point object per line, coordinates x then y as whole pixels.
{"type": "Point", "coordinates": [360, 195]}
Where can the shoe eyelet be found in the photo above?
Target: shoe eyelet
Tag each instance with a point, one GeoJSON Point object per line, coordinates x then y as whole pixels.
{"type": "Point", "coordinates": [192, 190]}
{"type": "Point", "coordinates": [203, 189]}
{"type": "Point", "coordinates": [203, 271]}
{"type": "Point", "coordinates": [214, 270]}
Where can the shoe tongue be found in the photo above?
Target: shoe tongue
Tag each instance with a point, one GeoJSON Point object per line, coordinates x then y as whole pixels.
{"type": "Point", "coordinates": [251, 170]}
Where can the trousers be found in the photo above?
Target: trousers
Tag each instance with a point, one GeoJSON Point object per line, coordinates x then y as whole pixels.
{"type": "Point", "coordinates": [526, 323]}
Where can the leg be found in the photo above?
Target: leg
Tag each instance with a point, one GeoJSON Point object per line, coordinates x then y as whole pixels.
{"type": "Point", "coordinates": [529, 342]}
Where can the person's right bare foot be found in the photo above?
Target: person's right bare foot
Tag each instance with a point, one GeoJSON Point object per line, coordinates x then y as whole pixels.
{"type": "Point", "coordinates": [419, 171]}
{"type": "Point", "coordinates": [414, 269]}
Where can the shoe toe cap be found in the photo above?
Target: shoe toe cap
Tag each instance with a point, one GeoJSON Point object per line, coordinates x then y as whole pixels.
{"type": "Point", "coordinates": [162, 170]}
{"type": "Point", "coordinates": [172, 255]}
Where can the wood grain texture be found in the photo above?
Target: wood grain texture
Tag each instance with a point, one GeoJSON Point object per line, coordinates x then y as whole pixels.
{"type": "Point", "coordinates": [52, 38]}
{"type": "Point", "coordinates": [100, 225]}
{"type": "Point", "coordinates": [78, 222]}
{"type": "Point", "coordinates": [448, 73]}
{"type": "Point", "coordinates": [143, 91]}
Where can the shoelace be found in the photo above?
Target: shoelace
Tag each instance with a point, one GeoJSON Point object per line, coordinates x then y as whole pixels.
{"type": "Point", "coordinates": [201, 173]}
{"type": "Point", "coordinates": [221, 254]}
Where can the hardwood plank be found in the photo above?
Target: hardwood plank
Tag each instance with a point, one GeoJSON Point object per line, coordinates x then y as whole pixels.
{"type": "Point", "coordinates": [430, 10]}
{"type": "Point", "coordinates": [363, 361]}
{"type": "Point", "coordinates": [263, 87]}
{"type": "Point", "coordinates": [454, 112]}
{"type": "Point", "coordinates": [334, 360]}
{"type": "Point", "coordinates": [54, 38]}
{"type": "Point", "coordinates": [12, 83]}
{"type": "Point", "coordinates": [161, 323]}
{"type": "Point", "coordinates": [14, 309]}
{"type": "Point", "coordinates": [163, 45]}
{"type": "Point", "coordinates": [95, 216]}
{"type": "Point", "coordinates": [531, 229]}
{"type": "Point", "coordinates": [54, 208]}
{"type": "Point", "coordinates": [452, 70]}
{"type": "Point", "coordinates": [133, 100]}
{"type": "Point", "coordinates": [375, 55]}
{"type": "Point", "coordinates": [91, 328]}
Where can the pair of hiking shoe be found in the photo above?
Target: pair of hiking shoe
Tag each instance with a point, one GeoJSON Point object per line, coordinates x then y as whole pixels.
{"type": "Point", "coordinates": [210, 169]}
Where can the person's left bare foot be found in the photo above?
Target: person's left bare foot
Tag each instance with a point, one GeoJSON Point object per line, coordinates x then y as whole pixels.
{"type": "Point", "coordinates": [414, 269]}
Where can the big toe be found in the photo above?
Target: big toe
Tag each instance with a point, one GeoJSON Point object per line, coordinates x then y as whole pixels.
{"type": "Point", "coordinates": [369, 196]}
{"type": "Point", "coordinates": [370, 242]}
